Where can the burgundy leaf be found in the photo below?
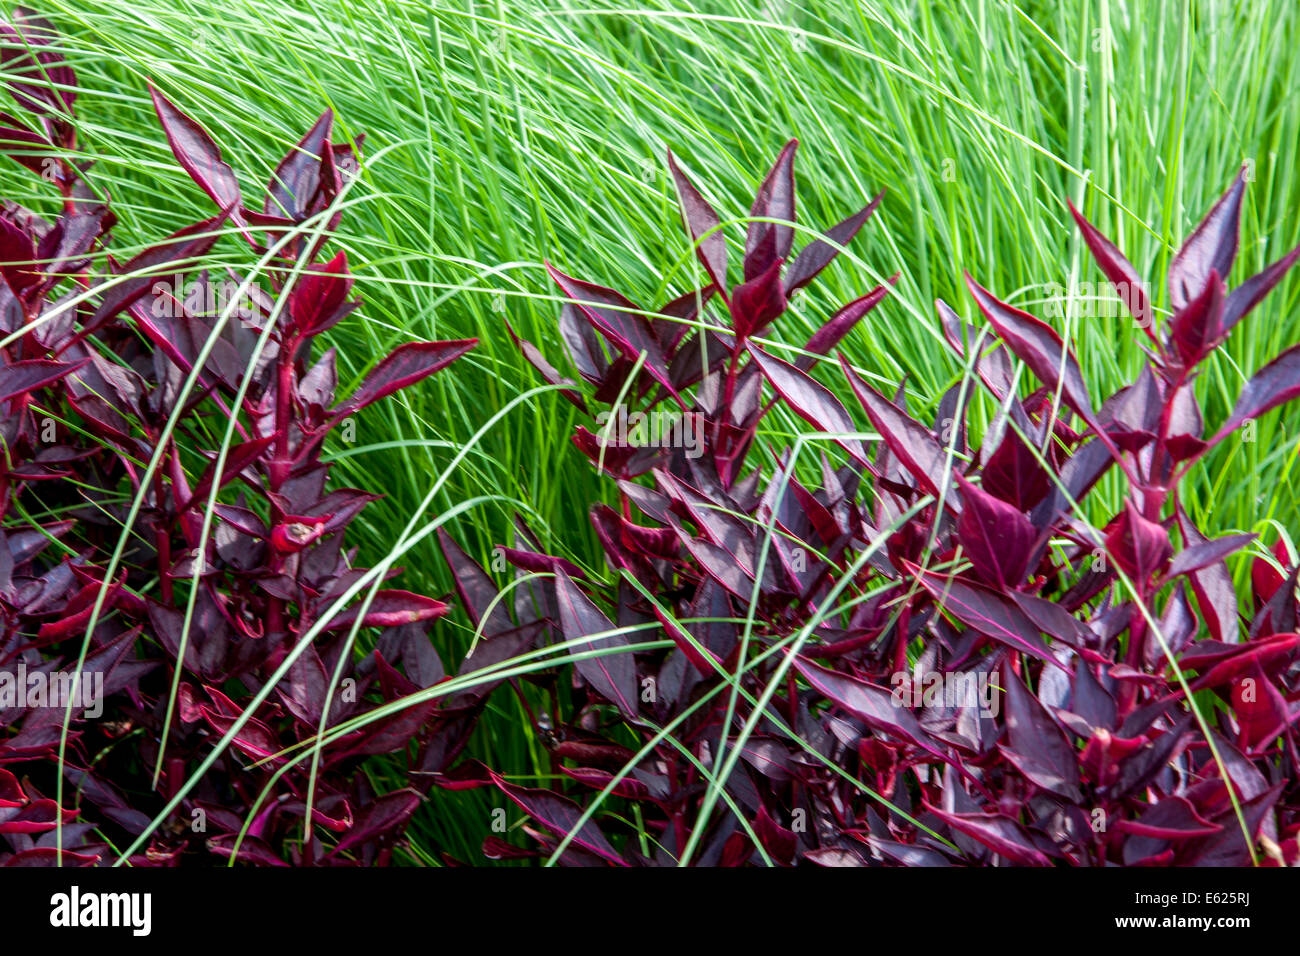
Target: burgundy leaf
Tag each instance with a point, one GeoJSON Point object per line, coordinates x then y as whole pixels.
{"type": "Point", "coordinates": [841, 323]}
{"type": "Point", "coordinates": [297, 177]}
{"type": "Point", "coordinates": [404, 366]}
{"type": "Point", "coordinates": [1038, 346]}
{"type": "Point", "coordinates": [910, 441]}
{"type": "Point", "coordinates": [1212, 585]}
{"type": "Point", "coordinates": [1139, 546]}
{"type": "Point", "coordinates": [182, 245]}
{"type": "Point", "coordinates": [997, 537]}
{"type": "Point", "coordinates": [1251, 292]}
{"type": "Point", "coordinates": [702, 225]}
{"type": "Point", "coordinates": [383, 819]}
{"type": "Point", "coordinates": [1275, 384]}
{"type": "Point", "coordinates": [477, 591]}
{"type": "Point", "coordinates": [986, 611]}
{"type": "Point", "coordinates": [1035, 742]}
{"type": "Point", "coordinates": [1130, 287]}
{"type": "Point", "coordinates": [1205, 553]}
{"type": "Point", "coordinates": [613, 675]}
{"type": "Point", "coordinates": [320, 293]}
{"type": "Point", "coordinates": [198, 155]}
{"type": "Point", "coordinates": [619, 321]}
{"type": "Point", "coordinates": [1004, 837]}
{"type": "Point", "coordinates": [238, 457]}
{"type": "Point", "coordinates": [768, 243]}
{"type": "Point", "coordinates": [389, 609]}
{"type": "Point", "coordinates": [560, 816]}
{"type": "Point", "coordinates": [758, 301]}
{"type": "Point", "coordinates": [1212, 247]}
{"type": "Point", "coordinates": [26, 376]}
{"type": "Point", "coordinates": [810, 401]}
{"type": "Point", "coordinates": [818, 254]}
{"type": "Point", "coordinates": [1198, 326]}
{"type": "Point", "coordinates": [875, 705]}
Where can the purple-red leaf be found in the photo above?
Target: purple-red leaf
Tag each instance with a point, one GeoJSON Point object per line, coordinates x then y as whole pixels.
{"type": "Point", "coordinates": [1037, 345]}
{"type": "Point", "coordinates": [198, 155]}
{"type": "Point", "coordinates": [768, 243]}
{"type": "Point", "coordinates": [819, 253]}
{"type": "Point", "coordinates": [985, 611]}
{"type": "Point", "coordinates": [1128, 285]}
{"type": "Point", "coordinates": [841, 323]}
{"type": "Point", "coordinates": [1251, 292]}
{"type": "Point", "coordinates": [1211, 248]}
{"type": "Point", "coordinates": [560, 816]}
{"type": "Point", "coordinates": [31, 374]}
{"type": "Point", "coordinates": [758, 301]}
{"type": "Point", "coordinates": [390, 609]}
{"type": "Point", "coordinates": [911, 442]}
{"type": "Point", "coordinates": [997, 537]}
{"type": "Point", "coordinates": [619, 321]}
{"type": "Point", "coordinates": [810, 401]}
{"type": "Point", "coordinates": [702, 224]}
{"type": "Point", "coordinates": [612, 673]}
{"type": "Point", "coordinates": [404, 366]}
{"type": "Point", "coordinates": [1275, 384]}
{"type": "Point", "coordinates": [1212, 585]}
{"type": "Point", "coordinates": [1035, 742]}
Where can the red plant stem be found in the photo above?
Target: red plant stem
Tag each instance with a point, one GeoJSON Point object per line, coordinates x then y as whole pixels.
{"type": "Point", "coordinates": [1154, 495]}
{"type": "Point", "coordinates": [163, 544]}
{"type": "Point", "coordinates": [278, 472]}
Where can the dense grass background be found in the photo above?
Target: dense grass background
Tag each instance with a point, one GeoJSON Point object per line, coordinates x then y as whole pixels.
{"type": "Point", "coordinates": [513, 133]}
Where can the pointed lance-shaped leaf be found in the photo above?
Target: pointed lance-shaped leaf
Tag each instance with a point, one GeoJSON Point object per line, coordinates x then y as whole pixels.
{"type": "Point", "coordinates": [756, 302]}
{"type": "Point", "coordinates": [769, 242]}
{"type": "Point", "coordinates": [385, 817]}
{"type": "Point", "coordinates": [402, 367]}
{"type": "Point", "coordinates": [841, 324]}
{"type": "Point", "coordinates": [985, 611]}
{"type": "Point", "coordinates": [702, 225]}
{"type": "Point", "coordinates": [1000, 834]}
{"type": "Point", "coordinates": [238, 457]}
{"type": "Point", "coordinates": [1128, 284]}
{"type": "Point", "coordinates": [612, 673]}
{"type": "Point", "coordinates": [810, 401]}
{"type": "Point", "coordinates": [1205, 553]}
{"type": "Point", "coordinates": [26, 376]}
{"type": "Point", "coordinates": [559, 815]}
{"type": "Point", "coordinates": [1251, 292]}
{"type": "Point", "coordinates": [1212, 586]}
{"type": "Point", "coordinates": [182, 245]}
{"type": "Point", "coordinates": [1139, 546]}
{"type": "Point", "coordinates": [320, 293]}
{"type": "Point", "coordinates": [199, 156]}
{"type": "Point", "coordinates": [1212, 247]}
{"type": "Point", "coordinates": [868, 702]}
{"type": "Point", "coordinates": [1275, 384]}
{"type": "Point", "coordinates": [477, 590]}
{"type": "Point", "coordinates": [390, 609]}
{"type": "Point", "coordinates": [912, 443]}
{"type": "Point", "coordinates": [997, 537]}
{"type": "Point", "coordinates": [819, 253]}
{"type": "Point", "coordinates": [1198, 326]}
{"type": "Point", "coordinates": [1035, 742]}
{"type": "Point", "coordinates": [1037, 345]}
{"type": "Point", "coordinates": [619, 321]}
{"type": "Point", "coordinates": [549, 372]}
{"type": "Point", "coordinates": [297, 178]}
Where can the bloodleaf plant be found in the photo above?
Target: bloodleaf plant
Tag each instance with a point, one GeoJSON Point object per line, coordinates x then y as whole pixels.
{"type": "Point", "coordinates": [922, 653]}
{"type": "Point", "coordinates": [169, 536]}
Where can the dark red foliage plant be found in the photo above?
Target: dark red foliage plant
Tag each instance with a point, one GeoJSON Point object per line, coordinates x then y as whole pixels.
{"type": "Point", "coordinates": [172, 552]}
{"type": "Point", "coordinates": [887, 646]}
